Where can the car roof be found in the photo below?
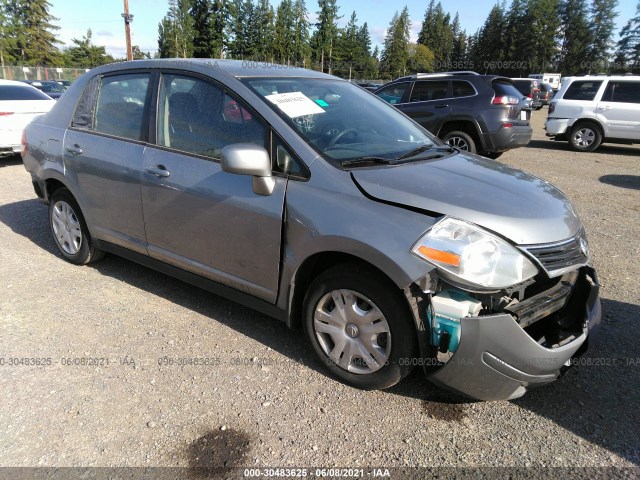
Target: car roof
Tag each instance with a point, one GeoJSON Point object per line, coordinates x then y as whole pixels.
{"type": "Point", "coordinates": [604, 77]}
{"type": "Point", "coordinates": [235, 68]}
{"type": "Point", "coordinates": [14, 83]}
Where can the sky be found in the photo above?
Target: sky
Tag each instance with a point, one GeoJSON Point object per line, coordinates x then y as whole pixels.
{"type": "Point", "coordinates": [104, 18]}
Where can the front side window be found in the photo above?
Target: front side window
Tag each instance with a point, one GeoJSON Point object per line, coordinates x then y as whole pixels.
{"type": "Point", "coordinates": [342, 121]}
{"type": "Point", "coordinates": [393, 93]}
{"type": "Point", "coordinates": [120, 107]}
{"type": "Point", "coordinates": [622, 92]}
{"type": "Point", "coordinates": [425, 91]}
{"type": "Point", "coordinates": [582, 90]}
{"type": "Point", "coordinates": [198, 117]}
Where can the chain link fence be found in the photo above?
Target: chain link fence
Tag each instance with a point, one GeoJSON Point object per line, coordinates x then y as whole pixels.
{"type": "Point", "coordinates": [41, 73]}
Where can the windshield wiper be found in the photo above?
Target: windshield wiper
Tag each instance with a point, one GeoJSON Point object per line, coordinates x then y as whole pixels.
{"type": "Point", "coordinates": [366, 161]}
{"type": "Point", "coordinates": [416, 151]}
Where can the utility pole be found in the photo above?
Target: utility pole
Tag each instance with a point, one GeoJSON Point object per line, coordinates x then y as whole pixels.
{"type": "Point", "coordinates": [128, 18]}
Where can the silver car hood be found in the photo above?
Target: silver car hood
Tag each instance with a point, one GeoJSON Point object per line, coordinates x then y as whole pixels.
{"type": "Point", "coordinates": [514, 204]}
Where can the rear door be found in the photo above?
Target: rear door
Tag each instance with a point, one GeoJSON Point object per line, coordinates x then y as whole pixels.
{"type": "Point", "coordinates": [430, 103]}
{"type": "Point", "coordinates": [620, 106]}
{"type": "Point", "coordinates": [198, 217]}
{"type": "Point", "coordinates": [103, 152]}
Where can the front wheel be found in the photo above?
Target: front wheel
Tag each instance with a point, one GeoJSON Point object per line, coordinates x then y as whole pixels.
{"type": "Point", "coordinates": [585, 137]}
{"type": "Point", "coordinates": [70, 230]}
{"type": "Point", "coordinates": [460, 140]}
{"type": "Point", "coordinates": [360, 327]}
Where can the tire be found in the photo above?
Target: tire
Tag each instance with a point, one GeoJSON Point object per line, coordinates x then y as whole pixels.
{"type": "Point", "coordinates": [585, 137]}
{"type": "Point", "coordinates": [69, 229]}
{"type": "Point", "coordinates": [370, 362]}
{"type": "Point", "coordinates": [461, 141]}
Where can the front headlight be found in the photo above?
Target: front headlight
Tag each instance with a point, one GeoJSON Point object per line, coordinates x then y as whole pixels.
{"type": "Point", "coordinates": [473, 255]}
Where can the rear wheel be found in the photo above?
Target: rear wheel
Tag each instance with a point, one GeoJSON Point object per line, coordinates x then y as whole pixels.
{"type": "Point", "coordinates": [360, 327]}
{"type": "Point", "coordinates": [70, 230]}
{"type": "Point", "coordinates": [460, 140]}
{"type": "Point", "coordinates": [585, 137]}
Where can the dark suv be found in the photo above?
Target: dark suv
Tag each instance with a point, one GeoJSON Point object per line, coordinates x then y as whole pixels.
{"type": "Point", "coordinates": [476, 113]}
{"type": "Point", "coordinates": [530, 88]}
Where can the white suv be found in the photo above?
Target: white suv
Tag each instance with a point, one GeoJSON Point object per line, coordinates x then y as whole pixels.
{"type": "Point", "coordinates": [587, 111]}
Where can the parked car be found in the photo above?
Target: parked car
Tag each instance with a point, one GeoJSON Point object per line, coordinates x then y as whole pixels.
{"type": "Point", "coordinates": [319, 204]}
{"type": "Point", "coordinates": [530, 88]}
{"type": "Point", "coordinates": [590, 110]}
{"type": "Point", "coordinates": [65, 83]}
{"type": "Point", "coordinates": [50, 87]}
{"type": "Point", "coordinates": [19, 104]}
{"type": "Point", "coordinates": [546, 93]}
{"type": "Point", "coordinates": [474, 113]}
{"type": "Point", "coordinates": [372, 87]}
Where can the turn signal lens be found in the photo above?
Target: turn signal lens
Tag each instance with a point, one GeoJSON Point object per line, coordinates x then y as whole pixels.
{"type": "Point", "coordinates": [440, 256]}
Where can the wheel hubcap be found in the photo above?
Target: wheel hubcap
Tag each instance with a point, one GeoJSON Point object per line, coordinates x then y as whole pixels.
{"type": "Point", "coordinates": [459, 143]}
{"type": "Point", "coordinates": [352, 331]}
{"type": "Point", "coordinates": [66, 227]}
{"type": "Point", "coordinates": [584, 137]}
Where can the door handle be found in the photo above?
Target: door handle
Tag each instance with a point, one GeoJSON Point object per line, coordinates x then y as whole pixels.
{"type": "Point", "coordinates": [160, 171]}
{"type": "Point", "coordinates": [75, 150]}
{"type": "Point", "coordinates": [441, 106]}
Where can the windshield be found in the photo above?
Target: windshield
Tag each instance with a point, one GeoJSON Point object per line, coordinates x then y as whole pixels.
{"type": "Point", "coordinates": [341, 120]}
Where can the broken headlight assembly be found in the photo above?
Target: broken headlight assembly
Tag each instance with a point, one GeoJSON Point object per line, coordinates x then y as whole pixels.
{"type": "Point", "coordinates": [472, 257]}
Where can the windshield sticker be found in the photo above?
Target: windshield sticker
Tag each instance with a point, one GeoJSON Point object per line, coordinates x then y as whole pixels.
{"type": "Point", "coordinates": [321, 102]}
{"type": "Point", "coordinates": [294, 104]}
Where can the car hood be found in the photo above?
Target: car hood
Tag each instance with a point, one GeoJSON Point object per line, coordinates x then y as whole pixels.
{"type": "Point", "coordinates": [509, 202]}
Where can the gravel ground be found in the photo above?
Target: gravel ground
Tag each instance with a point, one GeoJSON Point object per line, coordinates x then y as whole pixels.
{"type": "Point", "coordinates": [264, 400]}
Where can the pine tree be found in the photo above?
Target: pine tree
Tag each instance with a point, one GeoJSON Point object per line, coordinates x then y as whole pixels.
{"type": "Point", "coordinates": [543, 20]}
{"type": "Point", "coordinates": [34, 41]}
{"type": "Point", "coordinates": [202, 41]}
{"type": "Point", "coordinates": [217, 27]}
{"type": "Point", "coordinates": [301, 47]}
{"type": "Point", "coordinates": [263, 31]}
{"type": "Point", "coordinates": [603, 15]}
{"type": "Point", "coordinates": [395, 53]}
{"type": "Point", "coordinates": [348, 50]}
{"type": "Point", "coordinates": [283, 45]}
{"type": "Point", "coordinates": [437, 34]}
{"type": "Point", "coordinates": [577, 37]}
{"type": "Point", "coordinates": [176, 31]}
{"type": "Point", "coordinates": [324, 38]}
{"type": "Point", "coordinates": [628, 47]}
{"type": "Point", "coordinates": [489, 49]}
{"type": "Point", "coordinates": [242, 17]}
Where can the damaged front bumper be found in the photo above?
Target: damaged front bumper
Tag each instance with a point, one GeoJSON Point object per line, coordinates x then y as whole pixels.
{"type": "Point", "coordinates": [498, 359]}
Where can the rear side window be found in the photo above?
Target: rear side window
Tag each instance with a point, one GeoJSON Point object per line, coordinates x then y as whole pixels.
{"type": "Point", "coordinates": [393, 93]}
{"type": "Point", "coordinates": [18, 92]}
{"type": "Point", "coordinates": [120, 107]}
{"type": "Point", "coordinates": [462, 89]}
{"type": "Point", "coordinates": [582, 90]}
{"type": "Point", "coordinates": [425, 91]}
{"type": "Point", "coordinates": [623, 92]}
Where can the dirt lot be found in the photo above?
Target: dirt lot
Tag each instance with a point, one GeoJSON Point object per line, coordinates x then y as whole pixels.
{"type": "Point", "coordinates": [263, 400]}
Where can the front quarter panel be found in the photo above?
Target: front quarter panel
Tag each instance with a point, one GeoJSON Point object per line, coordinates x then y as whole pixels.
{"type": "Point", "coordinates": [329, 214]}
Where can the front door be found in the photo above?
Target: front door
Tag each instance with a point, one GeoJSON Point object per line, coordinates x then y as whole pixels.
{"type": "Point", "coordinates": [198, 217]}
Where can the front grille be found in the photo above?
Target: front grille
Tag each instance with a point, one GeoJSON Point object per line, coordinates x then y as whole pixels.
{"type": "Point", "coordinates": [557, 258]}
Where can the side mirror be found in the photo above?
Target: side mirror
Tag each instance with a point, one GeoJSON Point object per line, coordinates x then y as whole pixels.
{"type": "Point", "coordinates": [249, 159]}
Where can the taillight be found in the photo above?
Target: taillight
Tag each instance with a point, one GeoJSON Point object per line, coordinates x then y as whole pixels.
{"type": "Point", "coordinates": [4, 114]}
{"type": "Point", "coordinates": [552, 107]}
{"type": "Point", "coordinates": [23, 141]}
{"type": "Point", "coordinates": [507, 125]}
{"type": "Point", "coordinates": [505, 100]}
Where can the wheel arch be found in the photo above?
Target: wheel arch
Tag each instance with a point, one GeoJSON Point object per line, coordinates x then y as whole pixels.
{"type": "Point", "coordinates": [467, 126]}
{"type": "Point", "coordinates": [313, 266]}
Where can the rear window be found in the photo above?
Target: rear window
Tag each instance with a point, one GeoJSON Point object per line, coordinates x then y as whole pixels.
{"type": "Point", "coordinates": [523, 86]}
{"type": "Point", "coordinates": [505, 89]}
{"type": "Point", "coordinates": [582, 90]}
{"type": "Point", "coordinates": [18, 92]}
